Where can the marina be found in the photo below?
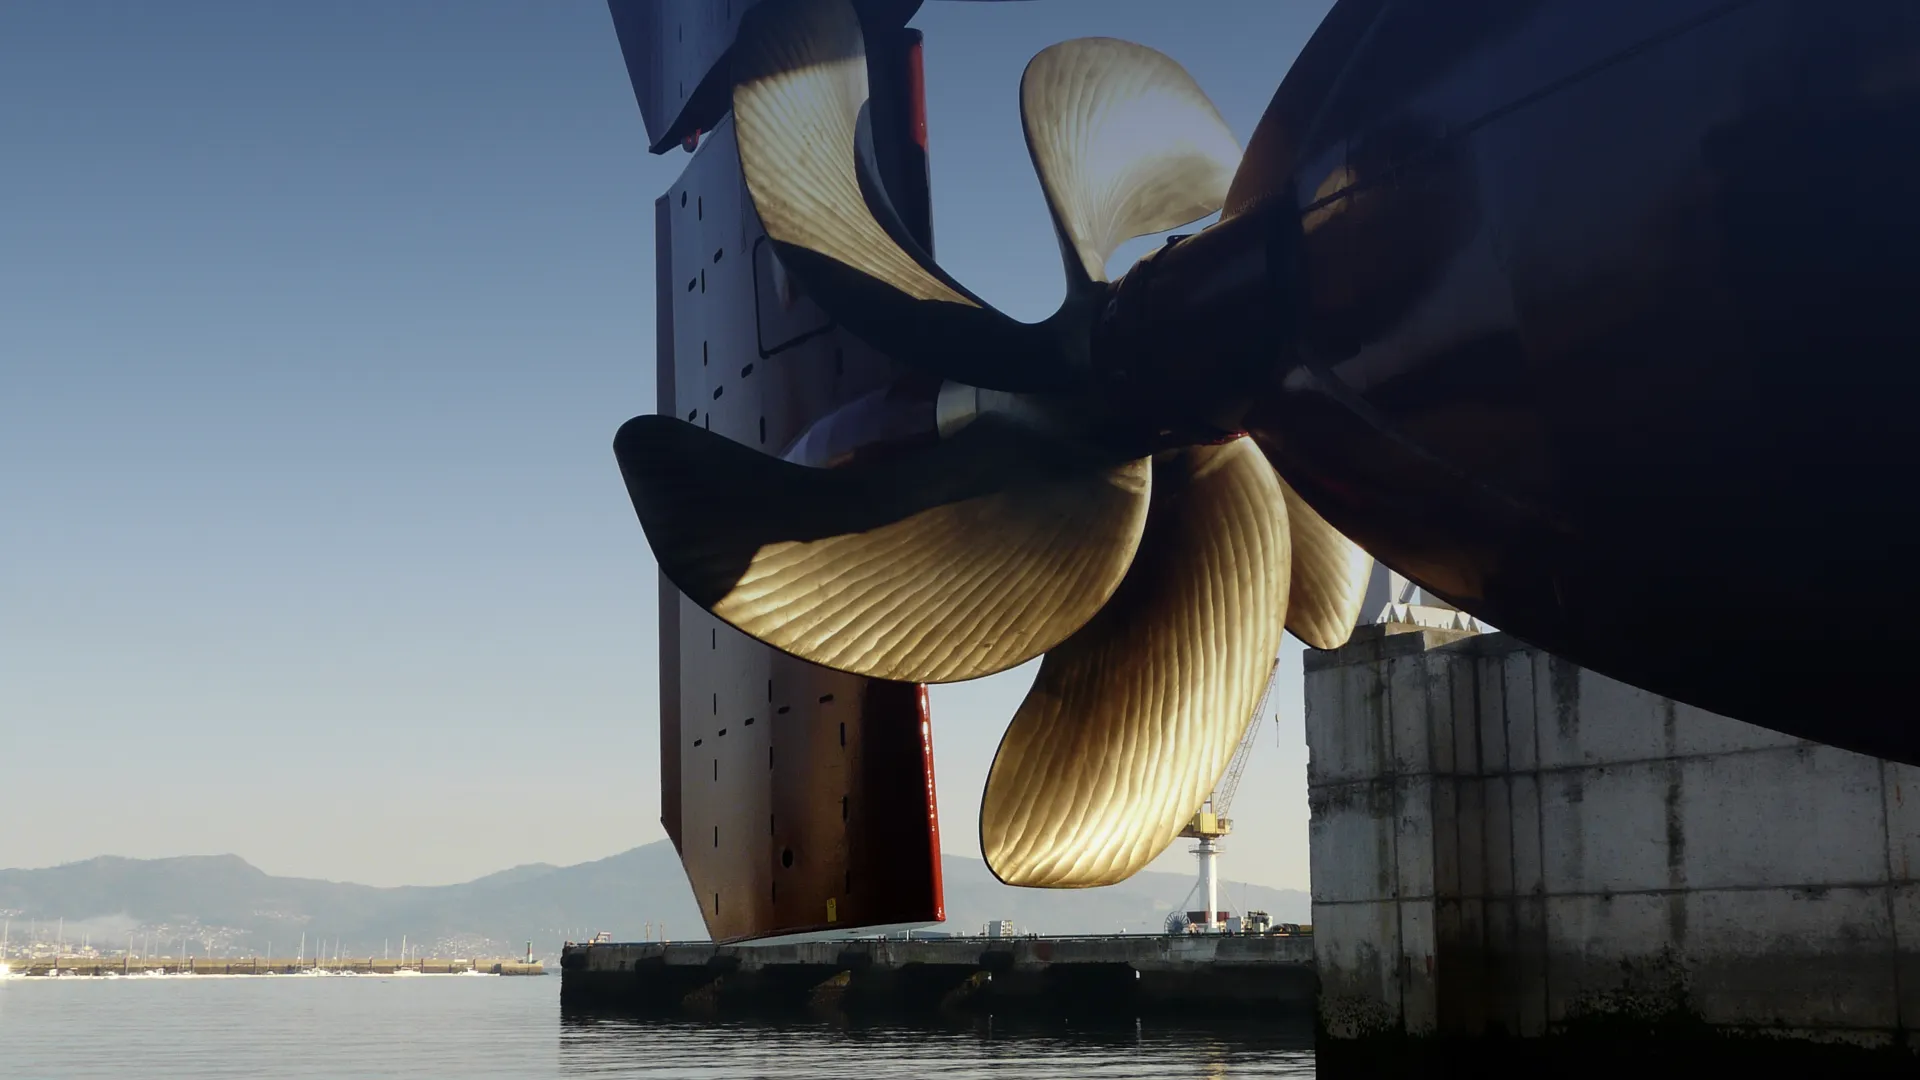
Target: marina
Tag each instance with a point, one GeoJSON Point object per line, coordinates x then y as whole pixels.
{"type": "Point", "coordinates": [106, 966]}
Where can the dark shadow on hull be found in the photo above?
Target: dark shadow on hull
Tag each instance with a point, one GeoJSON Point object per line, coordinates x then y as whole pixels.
{"type": "Point", "coordinates": [1637, 386]}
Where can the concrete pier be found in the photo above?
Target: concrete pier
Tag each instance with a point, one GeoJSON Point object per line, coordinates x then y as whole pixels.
{"type": "Point", "coordinates": [1054, 976]}
{"type": "Point", "coordinates": [1505, 843]}
{"type": "Point", "coordinates": [253, 965]}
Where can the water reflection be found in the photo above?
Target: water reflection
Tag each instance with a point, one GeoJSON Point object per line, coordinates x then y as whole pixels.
{"type": "Point", "coordinates": [1008, 1047]}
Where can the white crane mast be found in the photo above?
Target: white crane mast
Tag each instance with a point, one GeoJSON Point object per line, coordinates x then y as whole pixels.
{"type": "Point", "coordinates": [1212, 823]}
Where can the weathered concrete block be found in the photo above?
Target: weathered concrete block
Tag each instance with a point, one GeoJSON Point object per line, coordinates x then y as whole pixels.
{"type": "Point", "coordinates": [1604, 829]}
{"type": "Point", "coordinates": [1413, 845]}
{"type": "Point", "coordinates": [1901, 796]}
{"type": "Point", "coordinates": [1562, 845]}
{"type": "Point", "coordinates": [1556, 702]}
{"type": "Point", "coordinates": [1521, 706]}
{"type": "Point", "coordinates": [1530, 991]}
{"type": "Point", "coordinates": [1420, 949]}
{"type": "Point", "coordinates": [1357, 821]}
{"type": "Point", "coordinates": [1791, 957]}
{"type": "Point", "coordinates": [1460, 977]}
{"type": "Point", "coordinates": [1595, 719]}
{"type": "Point", "coordinates": [1608, 953]}
{"type": "Point", "coordinates": [1801, 815]}
{"type": "Point", "coordinates": [1446, 836]}
{"type": "Point", "coordinates": [1439, 712]}
{"type": "Point", "coordinates": [1409, 730]}
{"type": "Point", "coordinates": [1697, 731]}
{"type": "Point", "coordinates": [1497, 833]}
{"type": "Point", "coordinates": [1470, 830]}
{"type": "Point", "coordinates": [1528, 871]}
{"type": "Point", "coordinates": [1500, 944]}
{"type": "Point", "coordinates": [1348, 749]}
{"type": "Point", "coordinates": [1463, 712]}
{"type": "Point", "coordinates": [1359, 962]}
{"type": "Point", "coordinates": [1904, 902]}
{"type": "Point", "coordinates": [1489, 679]}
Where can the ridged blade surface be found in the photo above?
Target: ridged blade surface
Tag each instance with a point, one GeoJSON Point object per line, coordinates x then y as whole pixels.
{"type": "Point", "coordinates": [947, 563]}
{"type": "Point", "coordinates": [1330, 575]}
{"type": "Point", "coordinates": [1126, 144]}
{"type": "Point", "coordinates": [1131, 721]}
{"type": "Point", "coordinates": [800, 84]}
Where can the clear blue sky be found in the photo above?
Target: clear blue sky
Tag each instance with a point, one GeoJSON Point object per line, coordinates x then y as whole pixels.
{"type": "Point", "coordinates": [316, 322]}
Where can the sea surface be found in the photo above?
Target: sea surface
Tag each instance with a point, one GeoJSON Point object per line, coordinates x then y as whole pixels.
{"type": "Point", "coordinates": [490, 1026]}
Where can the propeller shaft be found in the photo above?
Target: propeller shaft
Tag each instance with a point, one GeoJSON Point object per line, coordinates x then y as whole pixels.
{"type": "Point", "coordinates": [1189, 334]}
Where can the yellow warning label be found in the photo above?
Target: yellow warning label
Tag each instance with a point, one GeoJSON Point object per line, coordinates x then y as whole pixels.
{"type": "Point", "coordinates": [833, 909]}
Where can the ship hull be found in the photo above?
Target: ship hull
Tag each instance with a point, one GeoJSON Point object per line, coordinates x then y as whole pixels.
{"type": "Point", "coordinates": [1607, 332]}
{"type": "Point", "coordinates": [801, 800]}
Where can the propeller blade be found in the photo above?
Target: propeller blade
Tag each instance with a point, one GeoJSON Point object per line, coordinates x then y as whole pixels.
{"type": "Point", "coordinates": [1131, 721]}
{"type": "Point", "coordinates": [800, 89]}
{"type": "Point", "coordinates": [966, 557]}
{"type": "Point", "coordinates": [1330, 575]}
{"type": "Point", "coordinates": [1126, 144]}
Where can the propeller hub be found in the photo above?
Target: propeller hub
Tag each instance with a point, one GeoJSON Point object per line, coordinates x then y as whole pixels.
{"type": "Point", "coordinates": [1193, 329]}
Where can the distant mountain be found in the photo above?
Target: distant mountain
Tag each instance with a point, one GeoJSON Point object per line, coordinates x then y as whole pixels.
{"type": "Point", "coordinates": [525, 872]}
{"type": "Point", "coordinates": [1138, 904]}
{"type": "Point", "coordinates": [222, 905]}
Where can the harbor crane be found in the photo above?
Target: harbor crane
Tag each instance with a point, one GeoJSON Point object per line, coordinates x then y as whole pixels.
{"type": "Point", "coordinates": [1211, 823]}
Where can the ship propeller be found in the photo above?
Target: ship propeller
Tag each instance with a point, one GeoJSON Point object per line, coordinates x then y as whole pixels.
{"type": "Point", "coordinates": [1155, 568]}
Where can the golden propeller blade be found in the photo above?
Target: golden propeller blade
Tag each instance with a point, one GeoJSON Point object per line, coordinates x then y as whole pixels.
{"type": "Point", "coordinates": [1329, 577]}
{"type": "Point", "coordinates": [800, 85]}
{"type": "Point", "coordinates": [944, 563]}
{"type": "Point", "coordinates": [1126, 145]}
{"type": "Point", "coordinates": [1131, 721]}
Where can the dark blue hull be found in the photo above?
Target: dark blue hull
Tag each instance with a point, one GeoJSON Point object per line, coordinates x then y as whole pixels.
{"type": "Point", "coordinates": [1609, 332]}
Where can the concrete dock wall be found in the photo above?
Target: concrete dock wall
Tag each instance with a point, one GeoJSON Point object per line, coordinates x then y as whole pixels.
{"type": "Point", "coordinates": [1115, 976]}
{"type": "Point", "coordinates": [1502, 841]}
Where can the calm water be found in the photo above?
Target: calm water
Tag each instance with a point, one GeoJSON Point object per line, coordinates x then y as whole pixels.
{"type": "Point", "coordinates": [470, 1026]}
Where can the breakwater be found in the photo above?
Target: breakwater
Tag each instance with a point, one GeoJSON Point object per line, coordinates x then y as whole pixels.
{"type": "Point", "coordinates": [1115, 975]}
{"type": "Point", "coordinates": [256, 965]}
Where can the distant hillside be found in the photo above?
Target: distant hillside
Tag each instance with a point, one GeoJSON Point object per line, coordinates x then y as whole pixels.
{"type": "Point", "coordinates": [1138, 904]}
{"type": "Point", "coordinates": [223, 905]}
